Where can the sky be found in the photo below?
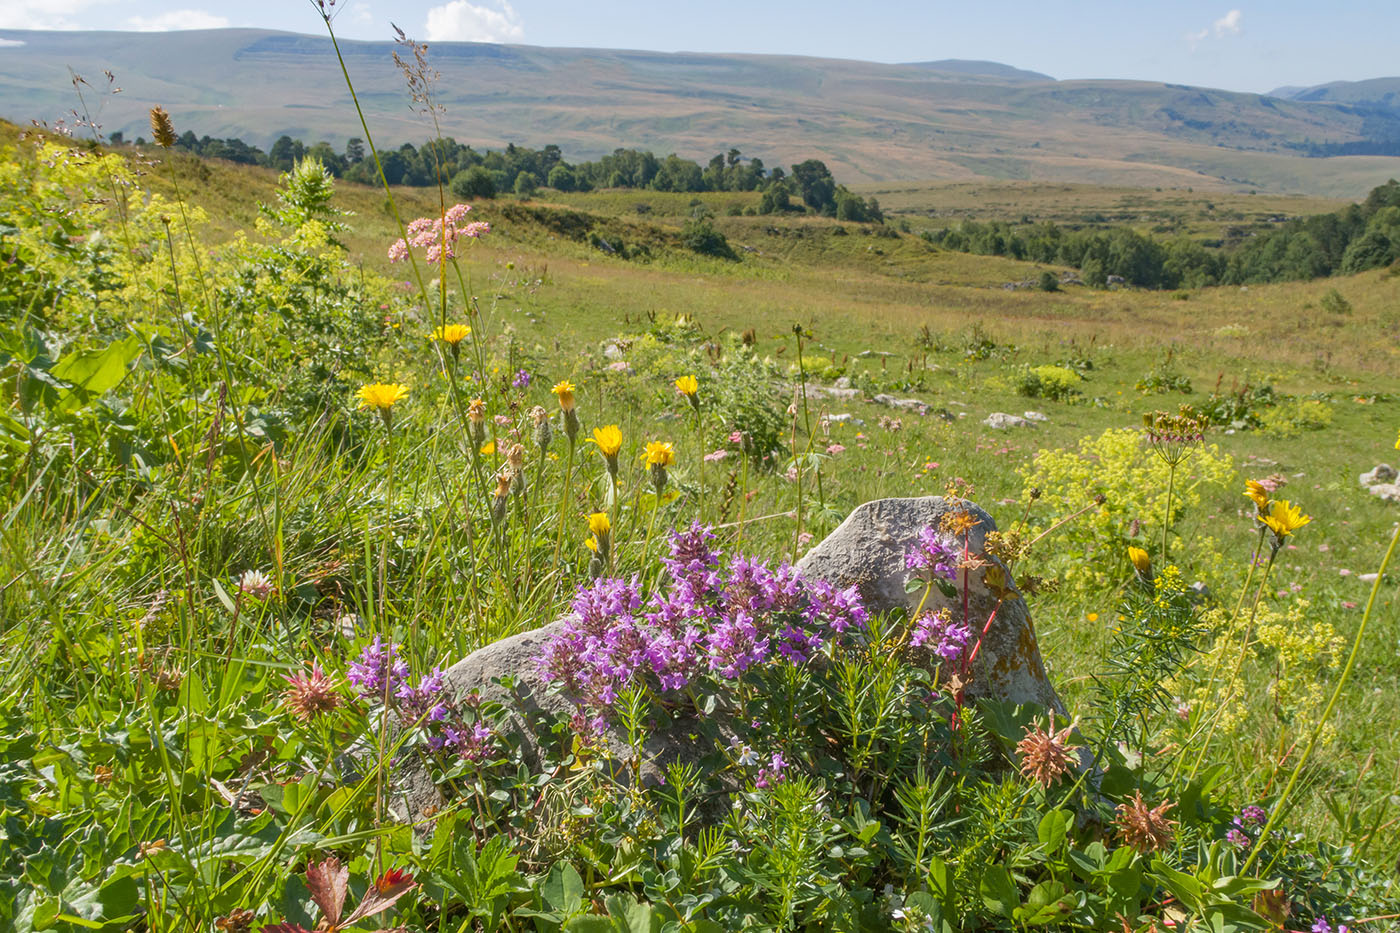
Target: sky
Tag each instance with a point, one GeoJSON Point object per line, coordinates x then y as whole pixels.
{"type": "Point", "coordinates": [1253, 46]}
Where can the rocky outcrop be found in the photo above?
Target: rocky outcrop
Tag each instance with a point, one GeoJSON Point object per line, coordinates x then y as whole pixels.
{"type": "Point", "coordinates": [867, 550]}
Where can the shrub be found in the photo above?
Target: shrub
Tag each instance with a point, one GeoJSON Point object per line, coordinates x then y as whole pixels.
{"type": "Point", "coordinates": [1335, 303]}
{"type": "Point", "coordinates": [700, 236]}
{"type": "Point", "coordinates": [1132, 480]}
{"type": "Point", "coordinates": [1049, 282]}
{"type": "Point", "coordinates": [1056, 383]}
{"type": "Point", "coordinates": [1163, 379]}
{"type": "Point", "coordinates": [1294, 416]}
{"type": "Point", "coordinates": [748, 402]}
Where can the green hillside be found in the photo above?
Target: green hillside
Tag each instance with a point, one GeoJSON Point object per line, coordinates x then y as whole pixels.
{"type": "Point", "coordinates": [867, 121]}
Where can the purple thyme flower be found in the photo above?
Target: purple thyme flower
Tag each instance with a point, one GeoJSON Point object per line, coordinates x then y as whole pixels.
{"type": "Point", "coordinates": [1252, 816]}
{"type": "Point", "coordinates": [1237, 839]}
{"type": "Point", "coordinates": [423, 702]}
{"type": "Point", "coordinates": [378, 671]}
{"type": "Point", "coordinates": [931, 557]}
{"type": "Point", "coordinates": [940, 634]}
{"type": "Point", "coordinates": [1321, 926]}
{"type": "Point", "coordinates": [521, 380]}
{"type": "Point", "coordinates": [692, 559]}
{"type": "Point", "coordinates": [775, 773]}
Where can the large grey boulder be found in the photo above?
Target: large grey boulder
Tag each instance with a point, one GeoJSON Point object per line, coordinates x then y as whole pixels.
{"type": "Point", "coordinates": [868, 551]}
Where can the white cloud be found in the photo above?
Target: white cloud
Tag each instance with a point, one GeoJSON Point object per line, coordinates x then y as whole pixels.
{"type": "Point", "coordinates": [1231, 24]}
{"type": "Point", "coordinates": [461, 21]}
{"type": "Point", "coordinates": [10, 43]}
{"type": "Point", "coordinates": [175, 20]}
{"type": "Point", "coordinates": [43, 14]}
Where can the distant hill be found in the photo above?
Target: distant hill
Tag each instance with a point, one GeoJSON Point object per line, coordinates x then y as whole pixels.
{"type": "Point", "coordinates": [981, 69]}
{"type": "Point", "coordinates": [949, 120]}
{"type": "Point", "coordinates": [1380, 92]}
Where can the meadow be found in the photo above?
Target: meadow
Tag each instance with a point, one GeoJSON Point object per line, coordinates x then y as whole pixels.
{"type": "Point", "coordinates": [263, 482]}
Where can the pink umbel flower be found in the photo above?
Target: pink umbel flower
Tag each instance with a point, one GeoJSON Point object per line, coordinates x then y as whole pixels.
{"type": "Point", "coordinates": [437, 235]}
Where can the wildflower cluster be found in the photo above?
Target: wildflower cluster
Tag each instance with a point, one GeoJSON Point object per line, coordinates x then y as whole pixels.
{"type": "Point", "coordinates": [937, 632]}
{"type": "Point", "coordinates": [380, 674]}
{"type": "Point", "coordinates": [438, 235]}
{"type": "Point", "coordinates": [931, 557]}
{"type": "Point", "coordinates": [709, 619]}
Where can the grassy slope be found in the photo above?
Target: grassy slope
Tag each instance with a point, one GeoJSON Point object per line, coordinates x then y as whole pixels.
{"type": "Point", "coordinates": [862, 292]}
{"type": "Point", "coordinates": [869, 122]}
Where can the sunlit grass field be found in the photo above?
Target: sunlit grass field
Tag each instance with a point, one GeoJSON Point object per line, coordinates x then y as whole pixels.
{"type": "Point", "coordinates": [351, 520]}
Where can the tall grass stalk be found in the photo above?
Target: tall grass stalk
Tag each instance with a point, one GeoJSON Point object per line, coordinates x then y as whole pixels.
{"type": "Point", "coordinates": [1280, 807]}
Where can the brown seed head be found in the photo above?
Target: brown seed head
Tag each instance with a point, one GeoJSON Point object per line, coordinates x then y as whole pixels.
{"type": "Point", "coordinates": [161, 128]}
{"type": "Point", "coordinates": [1145, 828]}
{"type": "Point", "coordinates": [1045, 752]}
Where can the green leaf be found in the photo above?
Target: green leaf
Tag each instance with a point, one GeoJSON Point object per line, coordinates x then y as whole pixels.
{"type": "Point", "coordinates": [1053, 828]}
{"type": "Point", "coordinates": [1047, 902]}
{"type": "Point", "coordinates": [93, 372]}
{"type": "Point", "coordinates": [999, 891]}
{"type": "Point", "coordinates": [590, 923]}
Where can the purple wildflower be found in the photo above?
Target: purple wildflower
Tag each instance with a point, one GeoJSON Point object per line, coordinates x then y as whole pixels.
{"type": "Point", "coordinates": [423, 702]}
{"type": "Point", "coordinates": [378, 671]}
{"type": "Point", "coordinates": [940, 634]}
{"type": "Point", "coordinates": [692, 559]}
{"type": "Point", "coordinates": [931, 557]}
{"type": "Point", "coordinates": [775, 773]}
{"type": "Point", "coordinates": [521, 380]}
{"type": "Point", "coordinates": [1320, 925]}
{"type": "Point", "coordinates": [1237, 839]}
{"type": "Point", "coordinates": [1252, 815]}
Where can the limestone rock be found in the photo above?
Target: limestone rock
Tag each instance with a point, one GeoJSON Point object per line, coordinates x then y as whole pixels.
{"type": "Point", "coordinates": [1382, 474]}
{"type": "Point", "coordinates": [904, 404]}
{"type": "Point", "coordinates": [1036, 416]}
{"type": "Point", "coordinates": [1000, 421]}
{"type": "Point", "coordinates": [1390, 492]}
{"type": "Point", "coordinates": [868, 550]}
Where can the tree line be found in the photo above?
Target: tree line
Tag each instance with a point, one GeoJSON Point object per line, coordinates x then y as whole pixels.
{"type": "Point", "coordinates": [472, 174]}
{"type": "Point", "coordinates": [1356, 238]}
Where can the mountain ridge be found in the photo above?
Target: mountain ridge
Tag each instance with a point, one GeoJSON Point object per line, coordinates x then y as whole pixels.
{"type": "Point", "coordinates": [951, 119]}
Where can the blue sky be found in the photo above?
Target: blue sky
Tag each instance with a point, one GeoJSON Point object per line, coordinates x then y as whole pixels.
{"type": "Point", "coordinates": [1252, 46]}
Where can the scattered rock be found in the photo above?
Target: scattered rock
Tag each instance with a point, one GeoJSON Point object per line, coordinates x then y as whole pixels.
{"type": "Point", "coordinates": [843, 382]}
{"type": "Point", "coordinates": [612, 351]}
{"type": "Point", "coordinates": [1390, 492]}
{"type": "Point", "coordinates": [1367, 577]}
{"type": "Point", "coordinates": [1000, 420]}
{"type": "Point", "coordinates": [1383, 473]}
{"type": "Point", "coordinates": [1036, 416]}
{"type": "Point", "coordinates": [904, 404]}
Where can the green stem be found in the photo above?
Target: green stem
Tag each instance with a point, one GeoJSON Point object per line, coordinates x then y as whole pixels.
{"type": "Point", "coordinates": [1167, 515]}
{"type": "Point", "coordinates": [1279, 807]}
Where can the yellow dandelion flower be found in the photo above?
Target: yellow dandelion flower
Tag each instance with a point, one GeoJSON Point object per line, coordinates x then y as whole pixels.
{"type": "Point", "coordinates": [1142, 561]}
{"type": "Point", "coordinates": [591, 544]}
{"type": "Point", "coordinates": [1284, 518]}
{"type": "Point", "coordinates": [565, 392]}
{"type": "Point", "coordinates": [608, 439]}
{"type": "Point", "coordinates": [1258, 493]}
{"type": "Point", "coordinates": [1092, 617]}
{"type": "Point", "coordinates": [488, 448]}
{"type": "Point", "coordinates": [687, 385]}
{"type": "Point", "coordinates": [599, 523]}
{"type": "Point", "coordinates": [659, 453]}
{"type": "Point", "coordinates": [452, 334]}
{"type": "Point", "coordinates": [381, 395]}
{"type": "Point", "coordinates": [1397, 442]}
